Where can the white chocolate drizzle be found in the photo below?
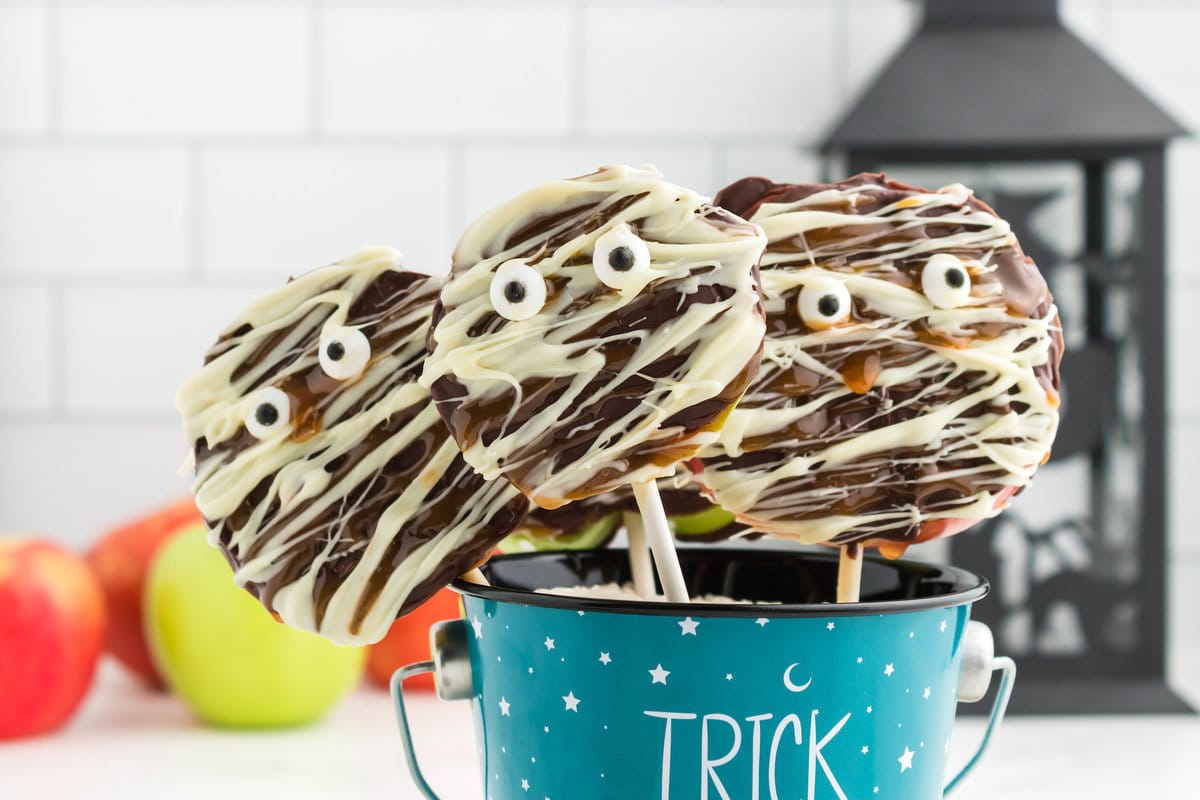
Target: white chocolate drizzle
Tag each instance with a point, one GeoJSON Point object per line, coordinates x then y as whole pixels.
{"type": "Point", "coordinates": [617, 376]}
{"type": "Point", "coordinates": [356, 505]}
{"type": "Point", "coordinates": [905, 420]}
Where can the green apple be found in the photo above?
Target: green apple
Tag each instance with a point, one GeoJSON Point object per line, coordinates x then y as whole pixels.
{"type": "Point", "coordinates": [594, 535]}
{"type": "Point", "coordinates": [702, 522]}
{"type": "Point", "coordinates": [226, 656]}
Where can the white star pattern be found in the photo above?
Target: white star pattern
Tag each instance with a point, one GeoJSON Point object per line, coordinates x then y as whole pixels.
{"type": "Point", "coordinates": [549, 643]}
{"type": "Point", "coordinates": [525, 784]}
{"type": "Point", "coordinates": [689, 626]}
{"type": "Point", "coordinates": [572, 702]}
{"type": "Point", "coordinates": [942, 627]}
{"type": "Point", "coordinates": [876, 790]}
{"type": "Point", "coordinates": [860, 659]}
{"type": "Point", "coordinates": [888, 670]}
{"type": "Point", "coordinates": [911, 634]}
{"type": "Point", "coordinates": [504, 706]}
{"type": "Point", "coordinates": [531, 670]}
{"type": "Point", "coordinates": [865, 750]}
{"type": "Point", "coordinates": [830, 626]}
{"type": "Point", "coordinates": [581, 613]}
{"type": "Point", "coordinates": [478, 626]}
{"type": "Point", "coordinates": [906, 760]}
{"type": "Point", "coordinates": [925, 694]}
{"type": "Point", "coordinates": [546, 729]}
{"type": "Point", "coordinates": [605, 658]}
{"type": "Point", "coordinates": [761, 622]}
{"type": "Point", "coordinates": [870, 709]}
{"type": "Point", "coordinates": [658, 675]}
{"type": "Point", "coordinates": [728, 676]}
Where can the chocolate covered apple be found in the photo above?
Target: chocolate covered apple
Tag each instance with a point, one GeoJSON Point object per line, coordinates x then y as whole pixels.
{"type": "Point", "coordinates": [594, 332]}
{"type": "Point", "coordinates": [322, 467]}
{"type": "Point", "coordinates": [909, 383]}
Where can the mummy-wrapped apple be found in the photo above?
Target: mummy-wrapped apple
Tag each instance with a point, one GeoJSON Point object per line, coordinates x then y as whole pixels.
{"type": "Point", "coordinates": [909, 384]}
{"type": "Point", "coordinates": [594, 332]}
{"type": "Point", "coordinates": [322, 467]}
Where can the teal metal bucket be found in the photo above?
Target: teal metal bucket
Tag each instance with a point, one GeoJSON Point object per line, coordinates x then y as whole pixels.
{"type": "Point", "coordinates": [578, 697]}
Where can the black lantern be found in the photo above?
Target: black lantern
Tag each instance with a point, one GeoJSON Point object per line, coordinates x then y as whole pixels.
{"type": "Point", "coordinates": [1000, 96]}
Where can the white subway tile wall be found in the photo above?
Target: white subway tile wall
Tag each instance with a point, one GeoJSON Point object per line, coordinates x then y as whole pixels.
{"type": "Point", "coordinates": [127, 348]}
{"type": "Point", "coordinates": [183, 69]}
{"type": "Point", "coordinates": [93, 211]}
{"type": "Point", "coordinates": [697, 72]}
{"type": "Point", "coordinates": [28, 383]}
{"type": "Point", "coordinates": [23, 65]}
{"type": "Point", "coordinates": [276, 210]}
{"type": "Point", "coordinates": [439, 70]}
{"type": "Point", "coordinates": [160, 163]}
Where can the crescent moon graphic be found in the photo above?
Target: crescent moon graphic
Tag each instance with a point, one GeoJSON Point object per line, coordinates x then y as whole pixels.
{"type": "Point", "coordinates": [787, 680]}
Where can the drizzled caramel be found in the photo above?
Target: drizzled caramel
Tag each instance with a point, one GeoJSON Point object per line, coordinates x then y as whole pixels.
{"type": "Point", "coordinates": [602, 387]}
{"type": "Point", "coordinates": [363, 507]}
{"type": "Point", "coordinates": [906, 421]}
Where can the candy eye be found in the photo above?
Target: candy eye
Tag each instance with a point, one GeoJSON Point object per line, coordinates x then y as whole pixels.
{"type": "Point", "coordinates": [518, 291]}
{"type": "Point", "coordinates": [270, 412]}
{"type": "Point", "coordinates": [945, 281]}
{"type": "Point", "coordinates": [344, 353]}
{"type": "Point", "coordinates": [824, 302]}
{"type": "Point", "coordinates": [621, 260]}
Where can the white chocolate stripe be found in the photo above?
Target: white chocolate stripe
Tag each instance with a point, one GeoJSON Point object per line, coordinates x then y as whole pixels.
{"type": "Point", "coordinates": [304, 544]}
{"type": "Point", "coordinates": [715, 341]}
{"type": "Point", "coordinates": [990, 432]}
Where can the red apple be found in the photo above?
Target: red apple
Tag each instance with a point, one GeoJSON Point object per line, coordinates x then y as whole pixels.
{"type": "Point", "coordinates": [52, 622]}
{"type": "Point", "coordinates": [408, 641]}
{"type": "Point", "coordinates": [122, 560]}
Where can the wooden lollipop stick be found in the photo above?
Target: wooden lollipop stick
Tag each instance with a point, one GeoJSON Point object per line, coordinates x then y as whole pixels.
{"type": "Point", "coordinates": [658, 535]}
{"type": "Point", "coordinates": [475, 576]}
{"type": "Point", "coordinates": [849, 583]}
{"type": "Point", "coordinates": [639, 556]}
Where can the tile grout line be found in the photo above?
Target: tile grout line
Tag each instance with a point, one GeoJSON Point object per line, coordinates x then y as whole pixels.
{"type": "Point", "coordinates": [841, 46]}
{"type": "Point", "coordinates": [315, 67]}
{"type": "Point", "coordinates": [577, 81]}
{"type": "Point", "coordinates": [720, 165]}
{"type": "Point", "coordinates": [401, 139]}
{"type": "Point", "coordinates": [194, 257]}
{"type": "Point", "coordinates": [53, 63]}
{"type": "Point", "coordinates": [90, 417]}
{"type": "Point", "coordinates": [58, 349]}
{"type": "Point", "coordinates": [457, 196]}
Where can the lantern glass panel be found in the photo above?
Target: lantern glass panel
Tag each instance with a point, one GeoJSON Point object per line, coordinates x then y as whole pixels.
{"type": "Point", "coordinates": [1065, 556]}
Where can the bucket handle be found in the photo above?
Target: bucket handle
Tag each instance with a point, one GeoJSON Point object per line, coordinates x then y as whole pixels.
{"type": "Point", "coordinates": [1008, 669]}
{"type": "Point", "coordinates": [410, 754]}
{"type": "Point", "coordinates": [451, 663]}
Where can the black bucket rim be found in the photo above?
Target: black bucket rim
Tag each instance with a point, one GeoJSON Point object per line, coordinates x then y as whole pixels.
{"type": "Point", "coordinates": [969, 587]}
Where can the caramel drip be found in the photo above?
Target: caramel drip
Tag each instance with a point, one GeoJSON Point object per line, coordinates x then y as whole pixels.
{"type": "Point", "coordinates": [605, 384]}
{"type": "Point", "coordinates": [906, 420]}
{"type": "Point", "coordinates": [363, 507]}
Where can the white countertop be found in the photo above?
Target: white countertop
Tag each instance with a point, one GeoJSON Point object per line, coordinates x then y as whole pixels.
{"type": "Point", "coordinates": [128, 743]}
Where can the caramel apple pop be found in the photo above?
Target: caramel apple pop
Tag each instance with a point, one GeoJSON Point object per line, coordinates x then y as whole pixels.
{"type": "Point", "coordinates": [909, 385]}
{"type": "Point", "coordinates": [322, 467]}
{"type": "Point", "coordinates": [594, 332]}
